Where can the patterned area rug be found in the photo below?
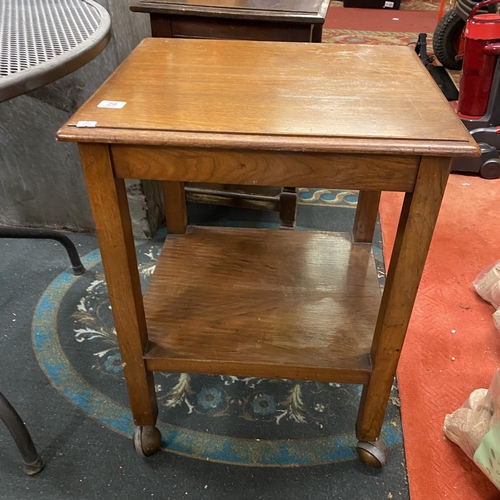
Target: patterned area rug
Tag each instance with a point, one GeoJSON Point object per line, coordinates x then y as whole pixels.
{"type": "Point", "coordinates": [234, 420]}
{"type": "Point", "coordinates": [383, 37]}
{"type": "Point", "coordinates": [369, 37]}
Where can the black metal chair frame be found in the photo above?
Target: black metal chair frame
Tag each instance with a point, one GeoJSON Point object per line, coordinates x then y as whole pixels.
{"type": "Point", "coordinates": [33, 462]}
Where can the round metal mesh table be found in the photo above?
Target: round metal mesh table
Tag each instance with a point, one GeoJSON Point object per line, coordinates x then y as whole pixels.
{"type": "Point", "coordinates": [43, 40]}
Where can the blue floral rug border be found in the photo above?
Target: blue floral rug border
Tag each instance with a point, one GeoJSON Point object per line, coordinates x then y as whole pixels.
{"type": "Point", "coordinates": [328, 197]}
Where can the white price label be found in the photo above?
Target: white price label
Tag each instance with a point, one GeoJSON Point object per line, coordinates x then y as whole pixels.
{"type": "Point", "coordinates": [111, 104]}
{"type": "Point", "coordinates": [87, 124]}
{"type": "Point", "coordinates": [388, 5]}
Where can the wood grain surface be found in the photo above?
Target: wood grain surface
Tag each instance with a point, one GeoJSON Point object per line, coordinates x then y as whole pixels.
{"type": "Point", "coordinates": [174, 201]}
{"type": "Point", "coordinates": [279, 5]}
{"type": "Point", "coordinates": [167, 11]}
{"type": "Point", "coordinates": [275, 89]}
{"type": "Point", "coordinates": [269, 143]}
{"type": "Point", "coordinates": [366, 216]}
{"type": "Point", "coordinates": [374, 172]}
{"type": "Point", "coordinates": [265, 303]}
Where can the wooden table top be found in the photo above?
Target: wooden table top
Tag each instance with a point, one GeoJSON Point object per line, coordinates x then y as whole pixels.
{"type": "Point", "coordinates": [289, 10]}
{"type": "Point", "coordinates": [261, 95]}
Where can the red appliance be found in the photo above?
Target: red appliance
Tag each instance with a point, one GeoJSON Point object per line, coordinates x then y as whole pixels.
{"type": "Point", "coordinates": [482, 47]}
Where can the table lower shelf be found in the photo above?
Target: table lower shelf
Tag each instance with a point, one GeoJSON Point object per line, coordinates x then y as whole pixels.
{"type": "Point", "coordinates": [263, 303]}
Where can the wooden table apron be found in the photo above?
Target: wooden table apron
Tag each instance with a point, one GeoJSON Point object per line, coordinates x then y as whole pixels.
{"type": "Point", "coordinates": [422, 178]}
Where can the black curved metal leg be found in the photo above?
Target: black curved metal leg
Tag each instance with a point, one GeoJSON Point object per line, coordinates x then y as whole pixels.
{"type": "Point", "coordinates": [33, 462]}
{"type": "Point", "coordinates": [22, 232]}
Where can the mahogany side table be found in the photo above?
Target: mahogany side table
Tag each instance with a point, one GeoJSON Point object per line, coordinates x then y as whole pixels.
{"type": "Point", "coordinates": [262, 302]}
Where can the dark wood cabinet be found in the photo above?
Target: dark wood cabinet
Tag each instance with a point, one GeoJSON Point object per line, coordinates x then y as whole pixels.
{"type": "Point", "coordinates": [262, 20]}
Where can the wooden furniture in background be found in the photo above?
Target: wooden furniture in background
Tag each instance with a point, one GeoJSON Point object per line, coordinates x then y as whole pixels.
{"type": "Point", "coordinates": [283, 21]}
{"type": "Point", "coordinates": [267, 303]}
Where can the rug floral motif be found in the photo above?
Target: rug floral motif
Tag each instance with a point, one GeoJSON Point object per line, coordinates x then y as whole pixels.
{"type": "Point", "coordinates": [328, 197]}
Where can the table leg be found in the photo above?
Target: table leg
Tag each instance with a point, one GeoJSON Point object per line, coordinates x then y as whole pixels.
{"type": "Point", "coordinates": [160, 26]}
{"type": "Point", "coordinates": [317, 33]}
{"type": "Point", "coordinates": [288, 207]}
{"type": "Point", "coordinates": [174, 200]}
{"type": "Point", "coordinates": [366, 216]}
{"type": "Point", "coordinates": [413, 238]}
{"type": "Point", "coordinates": [108, 199]}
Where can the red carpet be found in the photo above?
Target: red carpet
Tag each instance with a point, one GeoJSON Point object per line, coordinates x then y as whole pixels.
{"type": "Point", "coordinates": [439, 368]}
{"type": "Point", "coordinates": [417, 21]}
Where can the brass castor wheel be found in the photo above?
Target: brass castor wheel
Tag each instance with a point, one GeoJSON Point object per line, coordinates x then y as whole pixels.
{"type": "Point", "coordinates": [147, 440]}
{"type": "Point", "coordinates": [372, 453]}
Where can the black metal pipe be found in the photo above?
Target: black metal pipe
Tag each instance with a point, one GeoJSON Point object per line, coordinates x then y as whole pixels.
{"type": "Point", "coordinates": [22, 232]}
{"type": "Point", "coordinates": [33, 463]}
